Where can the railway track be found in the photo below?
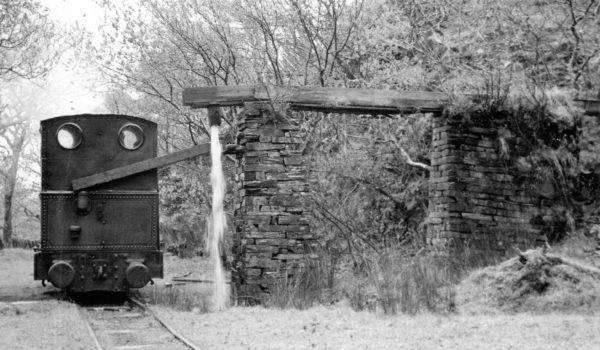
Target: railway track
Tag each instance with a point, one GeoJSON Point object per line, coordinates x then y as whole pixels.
{"type": "Point", "coordinates": [131, 326]}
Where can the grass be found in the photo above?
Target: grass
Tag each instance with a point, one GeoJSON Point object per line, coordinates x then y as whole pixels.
{"type": "Point", "coordinates": [340, 327]}
{"type": "Point", "coordinates": [180, 297]}
{"type": "Point", "coordinates": [398, 284]}
{"type": "Point", "coordinates": [42, 325]}
{"type": "Point", "coordinates": [16, 276]}
{"type": "Point", "coordinates": [183, 297]}
{"type": "Point", "coordinates": [301, 288]}
{"type": "Point", "coordinates": [393, 283]}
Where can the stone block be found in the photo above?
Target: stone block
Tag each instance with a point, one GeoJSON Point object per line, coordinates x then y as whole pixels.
{"type": "Point", "coordinates": [262, 263]}
{"type": "Point", "coordinates": [263, 146]}
{"type": "Point", "coordinates": [253, 272]}
{"type": "Point", "coordinates": [476, 216]}
{"type": "Point", "coordinates": [251, 248]}
{"type": "Point", "coordinates": [261, 184]}
{"type": "Point", "coordinates": [293, 160]}
{"type": "Point", "coordinates": [264, 167]}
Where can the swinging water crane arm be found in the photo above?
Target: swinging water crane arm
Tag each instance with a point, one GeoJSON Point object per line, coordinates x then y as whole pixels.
{"type": "Point", "coordinates": [145, 165]}
{"type": "Point", "coordinates": [214, 119]}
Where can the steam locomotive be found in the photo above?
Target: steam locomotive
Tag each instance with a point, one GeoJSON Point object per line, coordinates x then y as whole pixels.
{"type": "Point", "coordinates": [99, 203]}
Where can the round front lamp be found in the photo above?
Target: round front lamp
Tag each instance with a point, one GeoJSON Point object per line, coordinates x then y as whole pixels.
{"type": "Point", "coordinates": [131, 136]}
{"type": "Point", "coordinates": [69, 135]}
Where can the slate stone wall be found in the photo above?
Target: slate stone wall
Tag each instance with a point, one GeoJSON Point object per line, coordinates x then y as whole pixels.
{"type": "Point", "coordinates": [478, 198]}
{"type": "Point", "coordinates": [272, 233]}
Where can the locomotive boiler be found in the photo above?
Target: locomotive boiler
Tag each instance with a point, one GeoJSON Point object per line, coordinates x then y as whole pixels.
{"type": "Point", "coordinates": [99, 202]}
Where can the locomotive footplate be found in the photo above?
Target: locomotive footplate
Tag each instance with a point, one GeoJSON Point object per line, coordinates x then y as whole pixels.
{"type": "Point", "coordinates": [100, 271]}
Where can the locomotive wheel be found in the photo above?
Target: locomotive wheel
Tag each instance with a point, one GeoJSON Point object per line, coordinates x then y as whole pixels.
{"type": "Point", "coordinates": [61, 274]}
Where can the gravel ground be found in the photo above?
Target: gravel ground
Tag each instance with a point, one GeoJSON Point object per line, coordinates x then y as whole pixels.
{"type": "Point", "coordinates": [52, 324]}
{"type": "Point", "coordinates": [343, 328]}
{"type": "Point", "coordinates": [42, 325]}
{"type": "Point", "coordinates": [16, 282]}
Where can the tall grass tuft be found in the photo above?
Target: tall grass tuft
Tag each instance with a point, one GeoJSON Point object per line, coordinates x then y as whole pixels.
{"type": "Point", "coordinates": [391, 281]}
{"type": "Point", "coordinates": [301, 287]}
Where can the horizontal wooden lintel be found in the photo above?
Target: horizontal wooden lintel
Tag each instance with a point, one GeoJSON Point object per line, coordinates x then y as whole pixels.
{"type": "Point", "coordinates": [331, 99]}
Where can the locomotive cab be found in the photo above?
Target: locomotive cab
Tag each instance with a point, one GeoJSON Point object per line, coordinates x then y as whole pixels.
{"type": "Point", "coordinates": [104, 236]}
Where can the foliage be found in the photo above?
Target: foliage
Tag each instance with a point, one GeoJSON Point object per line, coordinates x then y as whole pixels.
{"type": "Point", "coordinates": [549, 142]}
{"type": "Point", "coordinates": [26, 42]}
{"type": "Point", "coordinates": [154, 49]}
{"type": "Point", "coordinates": [369, 173]}
{"type": "Point", "coordinates": [364, 196]}
{"type": "Point", "coordinates": [29, 47]}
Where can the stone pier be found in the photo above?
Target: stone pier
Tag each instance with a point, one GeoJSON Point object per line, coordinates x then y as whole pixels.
{"type": "Point", "coordinates": [272, 233]}
{"type": "Point", "coordinates": [478, 198]}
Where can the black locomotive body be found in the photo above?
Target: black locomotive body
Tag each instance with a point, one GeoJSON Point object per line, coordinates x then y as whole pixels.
{"type": "Point", "coordinates": [105, 237]}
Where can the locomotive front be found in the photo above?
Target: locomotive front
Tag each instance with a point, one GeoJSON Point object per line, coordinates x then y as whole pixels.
{"type": "Point", "coordinates": [103, 238]}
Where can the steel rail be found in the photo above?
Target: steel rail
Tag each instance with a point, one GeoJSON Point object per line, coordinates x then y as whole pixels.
{"type": "Point", "coordinates": [163, 323]}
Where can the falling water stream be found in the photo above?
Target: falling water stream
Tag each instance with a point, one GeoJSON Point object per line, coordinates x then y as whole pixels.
{"type": "Point", "coordinates": [218, 223]}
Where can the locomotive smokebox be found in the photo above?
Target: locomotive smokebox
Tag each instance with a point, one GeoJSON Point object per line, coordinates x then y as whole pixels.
{"type": "Point", "coordinates": [137, 275]}
{"type": "Point", "coordinates": [61, 274]}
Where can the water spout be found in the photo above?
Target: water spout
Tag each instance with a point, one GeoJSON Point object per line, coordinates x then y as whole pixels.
{"type": "Point", "coordinates": [218, 222]}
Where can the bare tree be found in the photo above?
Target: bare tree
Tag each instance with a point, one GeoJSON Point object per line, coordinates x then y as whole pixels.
{"type": "Point", "coordinates": [12, 142]}
{"type": "Point", "coordinates": [26, 37]}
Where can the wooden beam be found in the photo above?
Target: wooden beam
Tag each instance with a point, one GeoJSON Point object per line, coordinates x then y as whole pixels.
{"type": "Point", "coordinates": [140, 167]}
{"type": "Point", "coordinates": [319, 98]}
{"type": "Point", "coordinates": [217, 96]}
{"type": "Point", "coordinates": [329, 99]}
{"type": "Point", "coordinates": [591, 107]}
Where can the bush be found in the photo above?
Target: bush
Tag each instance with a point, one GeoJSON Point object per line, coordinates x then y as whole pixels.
{"type": "Point", "coordinates": [532, 282]}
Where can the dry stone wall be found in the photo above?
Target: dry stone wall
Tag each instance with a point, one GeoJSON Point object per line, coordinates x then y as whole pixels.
{"type": "Point", "coordinates": [478, 199]}
{"type": "Point", "coordinates": [272, 232]}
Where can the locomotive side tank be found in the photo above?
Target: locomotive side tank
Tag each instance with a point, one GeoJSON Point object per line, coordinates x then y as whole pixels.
{"type": "Point", "coordinates": [105, 237]}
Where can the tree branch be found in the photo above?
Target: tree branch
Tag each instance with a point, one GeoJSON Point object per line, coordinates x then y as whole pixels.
{"type": "Point", "coordinates": [411, 162]}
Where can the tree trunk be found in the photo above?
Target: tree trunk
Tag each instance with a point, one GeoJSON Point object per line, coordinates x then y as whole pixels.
{"type": "Point", "coordinates": [8, 228]}
{"type": "Point", "coordinates": [10, 181]}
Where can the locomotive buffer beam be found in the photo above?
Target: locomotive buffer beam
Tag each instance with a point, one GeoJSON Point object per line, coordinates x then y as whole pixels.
{"type": "Point", "coordinates": [148, 164]}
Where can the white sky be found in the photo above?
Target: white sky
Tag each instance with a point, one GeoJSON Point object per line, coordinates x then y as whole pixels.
{"type": "Point", "coordinates": [73, 89]}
